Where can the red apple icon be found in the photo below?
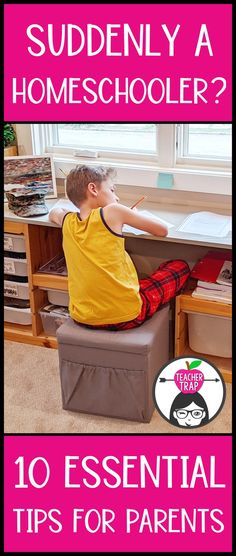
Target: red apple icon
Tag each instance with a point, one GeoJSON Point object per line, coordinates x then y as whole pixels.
{"type": "Point", "coordinates": [189, 380]}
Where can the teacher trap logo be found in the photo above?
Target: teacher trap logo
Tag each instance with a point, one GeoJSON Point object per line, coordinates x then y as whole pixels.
{"type": "Point", "coordinates": [189, 392]}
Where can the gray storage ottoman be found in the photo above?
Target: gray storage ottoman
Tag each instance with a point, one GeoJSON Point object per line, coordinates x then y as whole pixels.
{"type": "Point", "coordinates": [112, 373]}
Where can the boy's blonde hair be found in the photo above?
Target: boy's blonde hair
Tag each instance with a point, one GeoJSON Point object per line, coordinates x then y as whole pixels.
{"type": "Point", "coordinates": [78, 179]}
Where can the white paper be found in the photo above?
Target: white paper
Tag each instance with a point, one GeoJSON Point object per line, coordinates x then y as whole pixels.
{"type": "Point", "coordinates": [206, 224]}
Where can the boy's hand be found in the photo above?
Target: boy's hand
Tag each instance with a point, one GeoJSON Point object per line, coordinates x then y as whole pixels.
{"type": "Point", "coordinates": [57, 215]}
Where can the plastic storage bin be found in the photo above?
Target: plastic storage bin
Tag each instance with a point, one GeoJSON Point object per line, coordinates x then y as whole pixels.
{"type": "Point", "coordinates": [14, 255]}
{"type": "Point", "coordinates": [210, 334]}
{"type": "Point", "coordinates": [14, 242]}
{"type": "Point", "coordinates": [16, 289]}
{"type": "Point", "coordinates": [19, 316]}
{"type": "Point", "coordinates": [58, 297]}
{"type": "Point", "coordinates": [18, 279]}
{"type": "Point", "coordinates": [16, 302]}
{"type": "Point", "coordinates": [52, 317]}
{"type": "Point", "coordinates": [15, 266]}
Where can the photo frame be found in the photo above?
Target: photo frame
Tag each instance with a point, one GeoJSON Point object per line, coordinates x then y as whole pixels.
{"type": "Point", "coordinates": [23, 171]}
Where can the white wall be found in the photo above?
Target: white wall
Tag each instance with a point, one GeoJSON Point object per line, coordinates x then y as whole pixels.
{"type": "Point", "coordinates": [24, 140]}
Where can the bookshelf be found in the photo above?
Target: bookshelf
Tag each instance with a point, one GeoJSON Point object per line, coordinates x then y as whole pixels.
{"type": "Point", "coordinates": [185, 302]}
{"type": "Point", "coordinates": [42, 244]}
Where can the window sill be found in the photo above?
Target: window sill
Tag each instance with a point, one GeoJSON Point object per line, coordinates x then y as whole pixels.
{"type": "Point", "coordinates": [192, 180]}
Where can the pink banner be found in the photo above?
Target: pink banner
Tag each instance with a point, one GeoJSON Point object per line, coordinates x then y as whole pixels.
{"type": "Point", "coordinates": [118, 62]}
{"type": "Point", "coordinates": [118, 493]}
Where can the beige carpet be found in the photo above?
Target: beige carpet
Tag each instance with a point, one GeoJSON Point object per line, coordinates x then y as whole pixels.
{"type": "Point", "coordinates": [33, 401]}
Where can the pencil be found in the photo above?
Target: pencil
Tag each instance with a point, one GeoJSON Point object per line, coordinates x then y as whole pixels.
{"type": "Point", "coordinates": [139, 201]}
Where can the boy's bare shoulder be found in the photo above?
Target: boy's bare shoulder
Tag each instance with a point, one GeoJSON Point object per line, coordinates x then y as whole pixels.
{"type": "Point", "coordinates": [115, 213]}
{"type": "Point", "coordinates": [113, 205]}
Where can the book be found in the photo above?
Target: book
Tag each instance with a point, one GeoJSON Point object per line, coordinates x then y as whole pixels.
{"type": "Point", "coordinates": [224, 296]}
{"type": "Point", "coordinates": [225, 275]}
{"type": "Point", "coordinates": [214, 286]}
{"type": "Point", "coordinates": [208, 268]}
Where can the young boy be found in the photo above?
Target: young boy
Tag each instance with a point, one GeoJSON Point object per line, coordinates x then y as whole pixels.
{"type": "Point", "coordinates": [104, 289]}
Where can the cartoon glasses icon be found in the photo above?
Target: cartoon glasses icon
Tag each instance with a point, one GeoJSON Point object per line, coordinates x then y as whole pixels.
{"type": "Point", "coordinates": [196, 413]}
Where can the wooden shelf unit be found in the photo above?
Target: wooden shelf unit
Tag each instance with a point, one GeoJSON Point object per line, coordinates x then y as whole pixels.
{"type": "Point", "coordinates": [185, 302]}
{"type": "Point", "coordinates": [24, 334]}
{"type": "Point", "coordinates": [50, 281]}
{"type": "Point", "coordinates": [42, 244]}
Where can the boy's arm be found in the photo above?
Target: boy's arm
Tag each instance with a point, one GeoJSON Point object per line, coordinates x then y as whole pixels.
{"type": "Point", "coordinates": [57, 215]}
{"type": "Point", "coordinates": [116, 215]}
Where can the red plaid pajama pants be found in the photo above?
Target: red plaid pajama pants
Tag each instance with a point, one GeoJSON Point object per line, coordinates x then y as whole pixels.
{"type": "Point", "coordinates": [156, 290]}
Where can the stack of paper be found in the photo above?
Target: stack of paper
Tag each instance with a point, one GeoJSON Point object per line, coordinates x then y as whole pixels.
{"type": "Point", "coordinates": [223, 294]}
{"type": "Point", "coordinates": [214, 286]}
{"type": "Point", "coordinates": [214, 277]}
{"type": "Point", "coordinates": [213, 291]}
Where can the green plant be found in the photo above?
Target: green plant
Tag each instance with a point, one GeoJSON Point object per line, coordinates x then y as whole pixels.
{"type": "Point", "coordinates": [8, 134]}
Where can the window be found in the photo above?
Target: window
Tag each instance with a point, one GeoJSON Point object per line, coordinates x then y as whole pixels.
{"type": "Point", "coordinates": [105, 138]}
{"type": "Point", "coordinates": [191, 144]}
{"type": "Point", "coordinates": [197, 155]}
{"type": "Point", "coordinates": [204, 142]}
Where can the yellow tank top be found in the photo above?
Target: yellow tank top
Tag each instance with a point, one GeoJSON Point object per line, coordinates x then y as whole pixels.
{"type": "Point", "coordinates": [102, 279]}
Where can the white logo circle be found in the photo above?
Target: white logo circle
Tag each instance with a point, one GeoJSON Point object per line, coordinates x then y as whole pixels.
{"type": "Point", "coordinates": [189, 392]}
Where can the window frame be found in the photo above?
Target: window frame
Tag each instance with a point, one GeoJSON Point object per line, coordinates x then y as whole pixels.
{"type": "Point", "coordinates": [132, 171]}
{"type": "Point", "coordinates": [182, 132]}
{"type": "Point", "coordinates": [112, 153]}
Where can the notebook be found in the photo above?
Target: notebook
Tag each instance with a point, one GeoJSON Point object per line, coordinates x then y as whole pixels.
{"type": "Point", "coordinates": [208, 268]}
{"type": "Point", "coordinates": [213, 295]}
{"type": "Point", "coordinates": [214, 286]}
